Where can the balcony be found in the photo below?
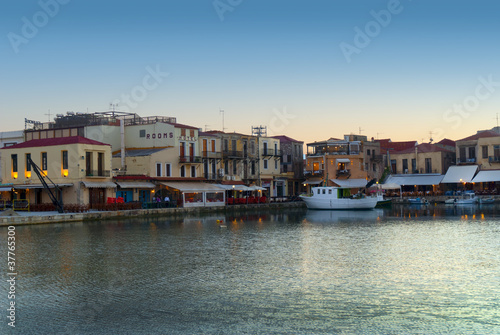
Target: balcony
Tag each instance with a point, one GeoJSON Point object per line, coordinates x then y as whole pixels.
{"type": "Point", "coordinates": [343, 173]}
{"type": "Point", "coordinates": [211, 155]}
{"type": "Point", "coordinates": [494, 159]}
{"type": "Point", "coordinates": [232, 154]}
{"type": "Point", "coordinates": [311, 174]}
{"type": "Point", "coordinates": [190, 159]}
{"type": "Point", "coordinates": [271, 152]}
{"type": "Point", "coordinates": [98, 173]}
{"type": "Point", "coordinates": [376, 158]}
{"type": "Point", "coordinates": [212, 176]}
{"type": "Point", "coordinates": [463, 160]}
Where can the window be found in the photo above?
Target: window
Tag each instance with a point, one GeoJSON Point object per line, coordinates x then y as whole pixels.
{"type": "Point", "coordinates": [64, 160]}
{"type": "Point", "coordinates": [183, 171]}
{"type": "Point", "coordinates": [485, 151]}
{"type": "Point", "coordinates": [496, 151]}
{"type": "Point", "coordinates": [368, 152]}
{"type": "Point", "coordinates": [253, 168]}
{"type": "Point", "coordinates": [374, 167]}
{"type": "Point", "coordinates": [428, 165]}
{"type": "Point", "coordinates": [472, 154]}
{"type": "Point", "coordinates": [226, 167]}
{"type": "Point", "coordinates": [28, 164]}
{"type": "Point", "coordinates": [235, 168]}
{"type": "Point", "coordinates": [158, 169]}
{"type": "Point", "coordinates": [88, 163]}
{"type": "Point", "coordinates": [265, 148]}
{"type": "Point", "coordinates": [414, 165]}
{"type": "Point", "coordinates": [182, 150]}
{"type": "Point", "coordinates": [233, 145]}
{"type": "Point", "coordinates": [213, 145]}
{"type": "Point", "coordinates": [191, 132]}
{"type": "Point", "coordinates": [405, 166]}
{"type": "Point", "coordinates": [193, 171]}
{"type": "Point", "coordinates": [142, 133]}
{"type": "Point", "coordinates": [14, 162]}
{"type": "Point", "coordinates": [265, 163]}
{"type": "Point", "coordinates": [100, 163]}
{"type": "Point", "coordinates": [183, 132]}
{"type": "Point", "coordinates": [226, 145]}
{"type": "Point", "coordinates": [168, 172]}
{"type": "Point", "coordinates": [275, 164]}
{"type": "Point", "coordinates": [44, 161]}
{"type": "Point", "coordinates": [275, 148]}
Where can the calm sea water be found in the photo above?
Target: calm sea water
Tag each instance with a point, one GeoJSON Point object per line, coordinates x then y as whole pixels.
{"type": "Point", "coordinates": [404, 270]}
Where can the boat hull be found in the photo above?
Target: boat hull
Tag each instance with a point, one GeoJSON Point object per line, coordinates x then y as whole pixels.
{"type": "Point", "coordinates": [338, 204]}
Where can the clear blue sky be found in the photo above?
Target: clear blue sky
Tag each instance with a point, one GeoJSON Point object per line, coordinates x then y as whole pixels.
{"type": "Point", "coordinates": [308, 69]}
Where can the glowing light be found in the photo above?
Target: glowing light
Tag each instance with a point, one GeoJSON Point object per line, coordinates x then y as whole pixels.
{"type": "Point", "coordinates": [65, 172]}
{"type": "Point", "coordinates": [27, 174]}
{"type": "Point", "coordinates": [14, 175]}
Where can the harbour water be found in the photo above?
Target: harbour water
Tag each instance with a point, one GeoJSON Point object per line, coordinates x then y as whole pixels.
{"type": "Point", "coordinates": [402, 270]}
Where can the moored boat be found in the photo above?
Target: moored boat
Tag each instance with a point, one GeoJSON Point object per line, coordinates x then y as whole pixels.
{"type": "Point", "coordinates": [468, 198]}
{"type": "Point", "coordinates": [330, 197]}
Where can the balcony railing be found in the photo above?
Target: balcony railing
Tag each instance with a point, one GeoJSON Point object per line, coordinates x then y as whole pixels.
{"type": "Point", "coordinates": [98, 173]}
{"type": "Point", "coordinates": [494, 159]}
{"type": "Point", "coordinates": [317, 173]}
{"type": "Point", "coordinates": [190, 159]}
{"type": "Point", "coordinates": [461, 160]}
{"type": "Point", "coordinates": [211, 155]}
{"type": "Point", "coordinates": [232, 154]}
{"type": "Point", "coordinates": [213, 176]}
{"type": "Point", "coordinates": [271, 152]}
{"type": "Point", "coordinates": [343, 173]}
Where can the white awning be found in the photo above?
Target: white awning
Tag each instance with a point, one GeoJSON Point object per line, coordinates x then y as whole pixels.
{"type": "Point", "coordinates": [350, 183]}
{"type": "Point", "coordinates": [389, 186]}
{"type": "Point", "coordinates": [256, 188]}
{"type": "Point", "coordinates": [343, 160]}
{"type": "Point", "coordinates": [135, 184]}
{"type": "Point", "coordinates": [34, 186]}
{"type": "Point", "coordinates": [236, 187]}
{"type": "Point", "coordinates": [487, 176]}
{"type": "Point", "coordinates": [5, 189]}
{"type": "Point", "coordinates": [313, 181]}
{"type": "Point", "coordinates": [415, 179]}
{"type": "Point", "coordinates": [192, 187]}
{"type": "Point", "coordinates": [459, 174]}
{"type": "Point", "coordinates": [98, 184]}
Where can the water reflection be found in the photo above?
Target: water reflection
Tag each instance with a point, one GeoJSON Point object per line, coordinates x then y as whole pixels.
{"type": "Point", "coordinates": [343, 216]}
{"type": "Point", "coordinates": [437, 211]}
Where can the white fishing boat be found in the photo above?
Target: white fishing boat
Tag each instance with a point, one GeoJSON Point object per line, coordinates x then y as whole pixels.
{"type": "Point", "coordinates": [330, 197]}
{"type": "Point", "coordinates": [468, 198]}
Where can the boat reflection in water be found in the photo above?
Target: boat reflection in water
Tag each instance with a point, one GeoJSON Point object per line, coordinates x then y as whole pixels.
{"type": "Point", "coordinates": [343, 216]}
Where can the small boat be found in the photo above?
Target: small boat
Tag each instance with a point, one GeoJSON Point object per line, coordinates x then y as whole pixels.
{"type": "Point", "coordinates": [330, 197]}
{"type": "Point", "coordinates": [418, 201]}
{"type": "Point", "coordinates": [485, 201]}
{"type": "Point", "coordinates": [450, 201]}
{"type": "Point", "coordinates": [468, 198]}
{"type": "Point", "coordinates": [382, 202]}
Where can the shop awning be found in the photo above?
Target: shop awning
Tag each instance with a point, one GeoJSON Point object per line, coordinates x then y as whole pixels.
{"type": "Point", "coordinates": [389, 186]}
{"type": "Point", "coordinates": [236, 187]}
{"type": "Point", "coordinates": [98, 184]}
{"type": "Point", "coordinates": [313, 181]}
{"type": "Point", "coordinates": [343, 160]}
{"type": "Point", "coordinates": [350, 183]}
{"type": "Point", "coordinates": [487, 176]}
{"type": "Point", "coordinates": [192, 187]}
{"type": "Point", "coordinates": [135, 184]}
{"type": "Point", "coordinates": [5, 189]}
{"type": "Point", "coordinates": [35, 186]}
{"type": "Point", "coordinates": [256, 188]}
{"type": "Point", "coordinates": [459, 174]}
{"type": "Point", "coordinates": [415, 179]}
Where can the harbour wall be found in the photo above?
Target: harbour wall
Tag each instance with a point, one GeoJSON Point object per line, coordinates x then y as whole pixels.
{"type": "Point", "coordinates": [42, 218]}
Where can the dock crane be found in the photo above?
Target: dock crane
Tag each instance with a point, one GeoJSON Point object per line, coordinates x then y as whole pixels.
{"type": "Point", "coordinates": [38, 171]}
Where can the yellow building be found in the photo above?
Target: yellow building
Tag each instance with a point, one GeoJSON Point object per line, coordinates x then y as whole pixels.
{"type": "Point", "coordinates": [80, 167]}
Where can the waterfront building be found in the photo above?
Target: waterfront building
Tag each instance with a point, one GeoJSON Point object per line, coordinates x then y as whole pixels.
{"type": "Point", "coordinates": [292, 164]}
{"type": "Point", "coordinates": [422, 158]}
{"type": "Point", "coordinates": [8, 138]}
{"type": "Point", "coordinates": [80, 167]}
{"type": "Point", "coordinates": [269, 167]}
{"type": "Point", "coordinates": [374, 160]}
{"type": "Point", "coordinates": [335, 160]}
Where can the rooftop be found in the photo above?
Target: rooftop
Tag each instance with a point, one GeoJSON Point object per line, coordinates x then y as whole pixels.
{"type": "Point", "coordinates": [46, 142]}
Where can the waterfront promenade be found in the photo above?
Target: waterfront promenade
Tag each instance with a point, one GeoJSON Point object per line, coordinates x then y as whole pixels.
{"type": "Point", "coordinates": [27, 218]}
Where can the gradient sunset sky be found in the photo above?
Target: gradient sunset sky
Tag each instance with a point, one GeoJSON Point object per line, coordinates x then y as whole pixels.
{"type": "Point", "coordinates": [308, 69]}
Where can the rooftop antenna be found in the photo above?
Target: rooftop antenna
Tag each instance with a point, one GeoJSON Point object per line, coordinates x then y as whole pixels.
{"type": "Point", "coordinates": [430, 137]}
{"type": "Point", "coordinates": [221, 111]}
{"type": "Point", "coordinates": [360, 130]}
{"type": "Point", "coordinates": [378, 135]}
{"type": "Point", "coordinates": [48, 114]}
{"type": "Point", "coordinates": [497, 120]}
